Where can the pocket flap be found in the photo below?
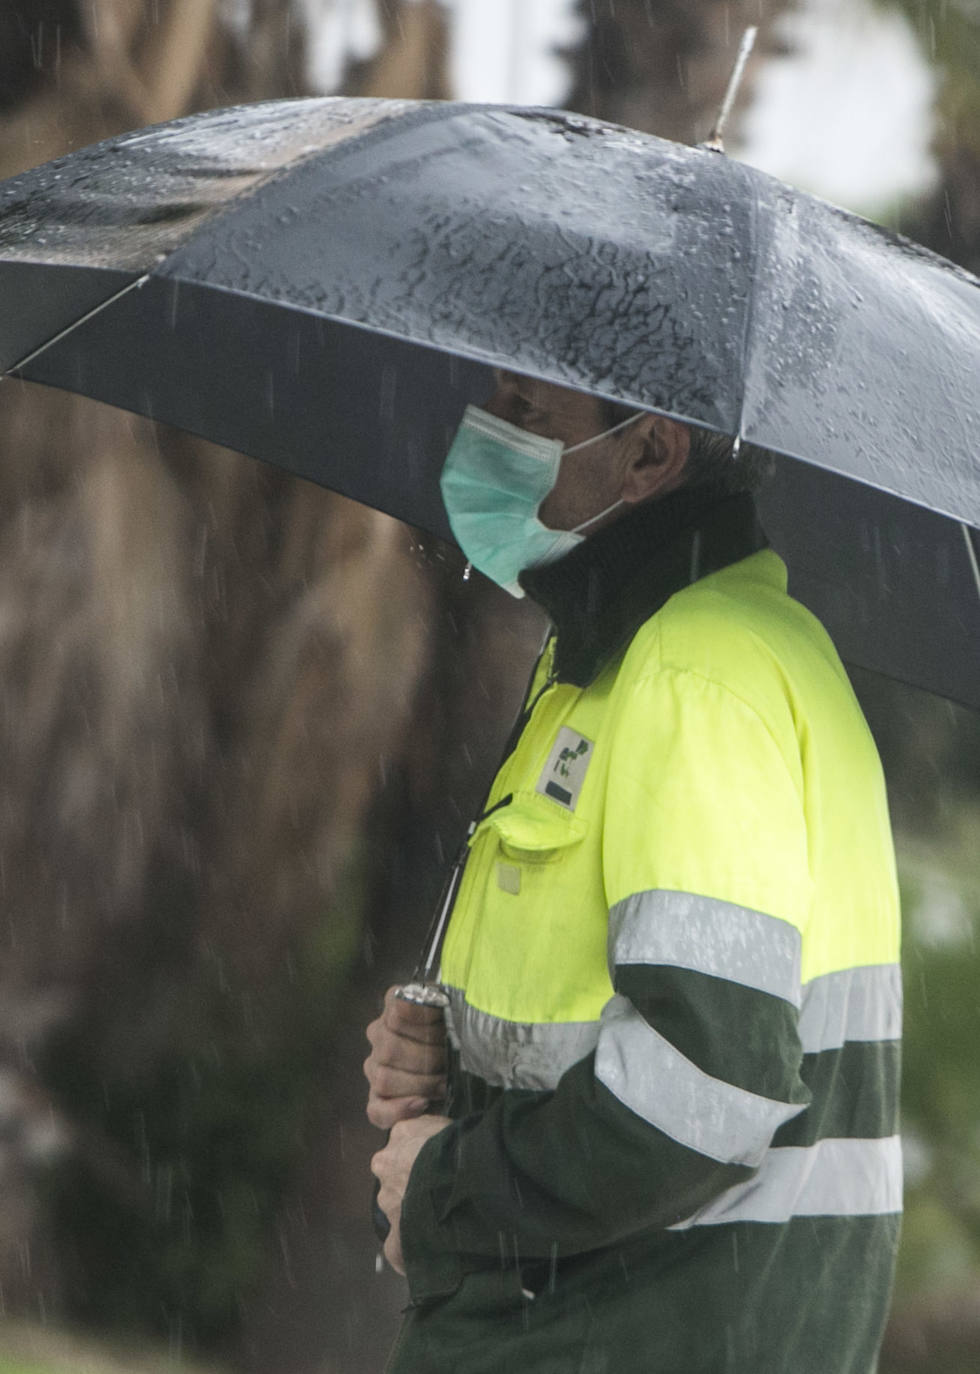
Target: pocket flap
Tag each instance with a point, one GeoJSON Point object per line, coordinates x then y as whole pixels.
{"type": "Point", "coordinates": [532, 827]}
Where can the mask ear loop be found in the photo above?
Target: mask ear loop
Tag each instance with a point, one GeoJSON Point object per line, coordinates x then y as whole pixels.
{"type": "Point", "coordinates": [607, 432]}
{"type": "Point", "coordinates": [594, 519]}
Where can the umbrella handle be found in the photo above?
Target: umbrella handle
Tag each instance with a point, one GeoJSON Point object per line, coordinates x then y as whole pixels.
{"type": "Point", "coordinates": [421, 995]}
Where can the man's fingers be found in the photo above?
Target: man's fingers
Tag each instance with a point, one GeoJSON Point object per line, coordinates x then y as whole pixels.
{"type": "Point", "coordinates": [396, 1096]}
{"type": "Point", "coordinates": [406, 1069]}
{"type": "Point", "coordinates": [417, 1067]}
{"type": "Point", "coordinates": [389, 1198]}
{"type": "Point", "coordinates": [409, 1056]}
{"type": "Point", "coordinates": [390, 1080]}
{"type": "Point", "coordinates": [387, 1080]}
{"type": "Point", "coordinates": [392, 1167]}
{"type": "Point", "coordinates": [415, 1022]}
{"type": "Point", "coordinates": [386, 1112]}
{"type": "Point", "coordinates": [393, 1252]}
{"type": "Point", "coordinates": [390, 1202]}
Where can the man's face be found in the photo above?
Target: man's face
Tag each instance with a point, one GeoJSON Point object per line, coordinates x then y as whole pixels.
{"type": "Point", "coordinates": [588, 481]}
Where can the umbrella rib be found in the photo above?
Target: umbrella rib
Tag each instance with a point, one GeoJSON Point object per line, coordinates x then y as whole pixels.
{"type": "Point", "coordinates": [76, 324]}
{"type": "Point", "coordinates": [971, 553]}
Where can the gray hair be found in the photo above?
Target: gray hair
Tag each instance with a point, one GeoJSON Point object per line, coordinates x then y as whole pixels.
{"type": "Point", "coordinates": [714, 464]}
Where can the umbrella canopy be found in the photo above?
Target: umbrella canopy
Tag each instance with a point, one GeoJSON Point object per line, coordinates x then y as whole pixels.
{"type": "Point", "coordinates": [325, 283]}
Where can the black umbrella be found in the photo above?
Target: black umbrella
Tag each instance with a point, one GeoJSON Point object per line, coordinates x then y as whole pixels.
{"type": "Point", "coordinates": [324, 283]}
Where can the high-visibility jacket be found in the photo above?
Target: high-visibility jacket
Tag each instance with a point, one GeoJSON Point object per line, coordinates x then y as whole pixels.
{"type": "Point", "coordinates": [673, 966]}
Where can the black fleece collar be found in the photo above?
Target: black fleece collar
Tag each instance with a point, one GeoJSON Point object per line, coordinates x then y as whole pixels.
{"type": "Point", "coordinates": [600, 594]}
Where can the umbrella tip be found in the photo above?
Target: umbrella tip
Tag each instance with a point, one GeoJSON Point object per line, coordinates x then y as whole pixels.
{"type": "Point", "coordinates": [714, 142]}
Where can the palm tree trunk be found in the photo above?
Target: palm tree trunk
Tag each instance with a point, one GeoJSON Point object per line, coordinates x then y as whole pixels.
{"type": "Point", "coordinates": [208, 668]}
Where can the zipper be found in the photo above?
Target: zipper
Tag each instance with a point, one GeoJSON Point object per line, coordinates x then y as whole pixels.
{"type": "Point", "coordinates": [427, 969]}
{"type": "Point", "coordinates": [524, 716]}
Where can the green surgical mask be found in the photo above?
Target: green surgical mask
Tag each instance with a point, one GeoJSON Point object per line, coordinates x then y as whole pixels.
{"type": "Point", "coordinates": [493, 482]}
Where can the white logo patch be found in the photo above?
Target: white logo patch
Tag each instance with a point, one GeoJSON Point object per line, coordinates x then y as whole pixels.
{"type": "Point", "coordinates": [564, 773]}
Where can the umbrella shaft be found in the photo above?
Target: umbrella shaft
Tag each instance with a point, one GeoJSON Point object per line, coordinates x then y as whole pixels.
{"type": "Point", "coordinates": [735, 80]}
{"type": "Point", "coordinates": [427, 970]}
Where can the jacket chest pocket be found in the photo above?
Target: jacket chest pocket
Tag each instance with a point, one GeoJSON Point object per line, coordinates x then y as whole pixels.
{"type": "Point", "coordinates": [535, 917]}
{"type": "Point", "coordinates": [531, 834]}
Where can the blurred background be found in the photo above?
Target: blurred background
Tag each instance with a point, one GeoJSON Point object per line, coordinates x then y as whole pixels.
{"type": "Point", "coordinates": [244, 721]}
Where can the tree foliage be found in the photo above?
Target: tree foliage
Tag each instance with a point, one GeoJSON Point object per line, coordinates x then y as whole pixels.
{"type": "Point", "coordinates": [949, 33]}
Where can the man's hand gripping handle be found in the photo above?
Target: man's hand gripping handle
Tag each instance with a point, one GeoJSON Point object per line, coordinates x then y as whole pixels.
{"type": "Point", "coordinates": [406, 1069]}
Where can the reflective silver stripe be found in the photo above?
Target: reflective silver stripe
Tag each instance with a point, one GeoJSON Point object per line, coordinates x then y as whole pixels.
{"type": "Point", "coordinates": [833, 1178]}
{"type": "Point", "coordinates": [661, 1085]}
{"type": "Point", "coordinates": [855, 1004]}
{"type": "Point", "coordinates": [709, 936]}
{"type": "Point", "coordinates": [516, 1054]}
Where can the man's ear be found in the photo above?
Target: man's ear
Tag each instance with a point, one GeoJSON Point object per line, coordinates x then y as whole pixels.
{"type": "Point", "coordinates": [657, 458]}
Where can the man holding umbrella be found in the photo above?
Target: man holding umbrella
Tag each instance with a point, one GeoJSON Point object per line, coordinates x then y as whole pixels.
{"type": "Point", "coordinates": [672, 965]}
{"type": "Point", "coordinates": [672, 961]}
